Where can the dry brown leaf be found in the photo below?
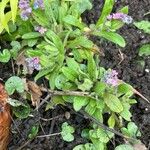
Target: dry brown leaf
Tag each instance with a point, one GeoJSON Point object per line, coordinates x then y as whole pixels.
{"type": "Point", "coordinates": [35, 92]}
{"type": "Point", "coordinates": [5, 119]}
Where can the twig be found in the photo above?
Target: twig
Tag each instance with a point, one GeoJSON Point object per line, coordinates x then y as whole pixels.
{"type": "Point", "coordinates": [86, 115]}
{"type": "Point", "coordinates": [136, 92]}
{"type": "Point", "coordinates": [106, 127]}
{"type": "Point", "coordinates": [48, 135]}
{"type": "Point", "coordinates": [43, 101]}
{"type": "Point", "coordinates": [25, 144]}
{"type": "Point", "coordinates": [69, 93]}
{"type": "Point", "coordinates": [44, 119]}
{"type": "Point", "coordinates": [12, 64]}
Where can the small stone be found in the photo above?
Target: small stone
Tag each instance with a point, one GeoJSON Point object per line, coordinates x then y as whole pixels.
{"type": "Point", "coordinates": [67, 115]}
{"type": "Point", "coordinates": [147, 70]}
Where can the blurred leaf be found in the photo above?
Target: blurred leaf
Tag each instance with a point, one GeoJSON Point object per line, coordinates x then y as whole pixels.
{"type": "Point", "coordinates": [81, 41]}
{"type": "Point", "coordinates": [31, 35]}
{"type": "Point", "coordinates": [70, 74]}
{"type": "Point", "coordinates": [56, 40]}
{"type": "Point", "coordinates": [124, 147]}
{"type": "Point", "coordinates": [14, 7]}
{"type": "Point", "coordinates": [92, 68]}
{"type": "Point", "coordinates": [79, 102]}
{"type": "Point", "coordinates": [144, 50]}
{"type": "Point", "coordinates": [22, 112]}
{"type": "Point", "coordinates": [99, 88]}
{"type": "Point", "coordinates": [143, 25]}
{"type": "Point", "coordinates": [111, 36]}
{"type": "Point", "coordinates": [111, 121]}
{"type": "Point", "coordinates": [40, 18]}
{"type": "Point", "coordinates": [113, 103]}
{"type": "Point", "coordinates": [14, 83]}
{"type": "Point", "coordinates": [5, 56]}
{"type": "Point", "coordinates": [73, 21]}
{"type": "Point", "coordinates": [133, 129]}
{"type": "Point", "coordinates": [33, 132]}
{"type": "Point", "coordinates": [67, 132]}
{"type": "Point", "coordinates": [14, 102]}
{"type": "Point", "coordinates": [86, 85]}
{"type": "Point", "coordinates": [107, 8]}
{"type": "Point", "coordinates": [126, 114]}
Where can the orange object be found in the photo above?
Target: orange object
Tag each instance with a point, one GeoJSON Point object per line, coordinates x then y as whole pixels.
{"type": "Point", "coordinates": [5, 119]}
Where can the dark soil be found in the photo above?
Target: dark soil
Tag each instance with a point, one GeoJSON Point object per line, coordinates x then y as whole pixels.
{"type": "Point", "coordinates": [130, 70]}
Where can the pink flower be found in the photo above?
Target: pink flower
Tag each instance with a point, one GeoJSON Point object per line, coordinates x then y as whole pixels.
{"type": "Point", "coordinates": [111, 78]}
{"type": "Point", "coordinates": [33, 64]}
{"type": "Point", "coordinates": [40, 29]}
{"type": "Point", "coordinates": [121, 16]}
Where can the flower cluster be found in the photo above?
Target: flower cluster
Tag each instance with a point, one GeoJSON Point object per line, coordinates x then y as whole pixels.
{"type": "Point", "coordinates": [25, 9]}
{"type": "Point", "coordinates": [40, 29]}
{"type": "Point", "coordinates": [111, 77]}
{"type": "Point", "coordinates": [33, 64]}
{"type": "Point", "coordinates": [38, 4]}
{"type": "Point", "coordinates": [121, 16]}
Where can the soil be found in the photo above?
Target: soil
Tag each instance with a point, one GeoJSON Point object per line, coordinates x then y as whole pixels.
{"type": "Point", "coordinates": [129, 68]}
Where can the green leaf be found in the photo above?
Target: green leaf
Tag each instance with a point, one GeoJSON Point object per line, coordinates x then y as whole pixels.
{"type": "Point", "coordinates": [124, 147]}
{"type": "Point", "coordinates": [14, 7]}
{"type": "Point", "coordinates": [126, 112]}
{"type": "Point", "coordinates": [66, 132]}
{"type": "Point", "coordinates": [86, 85]}
{"type": "Point", "coordinates": [124, 88]}
{"type": "Point", "coordinates": [15, 45]}
{"type": "Point", "coordinates": [56, 40]}
{"type": "Point", "coordinates": [98, 115]}
{"type": "Point", "coordinates": [31, 35]}
{"type": "Point", "coordinates": [72, 64]}
{"type": "Point", "coordinates": [84, 5]}
{"type": "Point", "coordinates": [81, 41]}
{"type": "Point", "coordinates": [111, 36]}
{"type": "Point", "coordinates": [87, 146]}
{"type": "Point", "coordinates": [144, 50]}
{"type": "Point", "coordinates": [113, 103]}
{"type": "Point", "coordinates": [42, 73]}
{"type": "Point", "coordinates": [22, 112]}
{"type": "Point", "coordinates": [32, 42]}
{"type": "Point", "coordinates": [33, 132]}
{"type": "Point", "coordinates": [55, 100]}
{"type": "Point", "coordinates": [90, 110]}
{"type": "Point", "coordinates": [14, 83]}
{"type": "Point", "coordinates": [14, 102]}
{"type": "Point", "coordinates": [111, 121]}
{"type": "Point", "coordinates": [70, 74]}
{"type": "Point", "coordinates": [124, 10]}
{"type": "Point", "coordinates": [73, 21]}
{"type": "Point", "coordinates": [143, 25]}
{"type": "Point", "coordinates": [92, 68]}
{"type": "Point", "coordinates": [99, 88]}
{"type": "Point", "coordinates": [133, 129]}
{"type": "Point", "coordinates": [108, 6]}
{"type": "Point", "coordinates": [79, 102]}
{"type": "Point", "coordinates": [40, 18]}
{"type": "Point", "coordinates": [5, 56]}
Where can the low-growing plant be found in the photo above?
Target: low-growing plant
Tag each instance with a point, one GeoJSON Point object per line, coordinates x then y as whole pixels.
{"type": "Point", "coordinates": [53, 40]}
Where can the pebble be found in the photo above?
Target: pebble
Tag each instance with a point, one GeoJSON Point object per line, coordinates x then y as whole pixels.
{"type": "Point", "coordinates": [147, 70]}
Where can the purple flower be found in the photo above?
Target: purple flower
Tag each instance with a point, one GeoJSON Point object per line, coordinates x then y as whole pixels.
{"type": "Point", "coordinates": [40, 29]}
{"type": "Point", "coordinates": [121, 16]}
{"type": "Point", "coordinates": [25, 9]}
{"type": "Point", "coordinates": [111, 77]}
{"type": "Point", "coordinates": [33, 64]}
{"type": "Point", "coordinates": [38, 4]}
